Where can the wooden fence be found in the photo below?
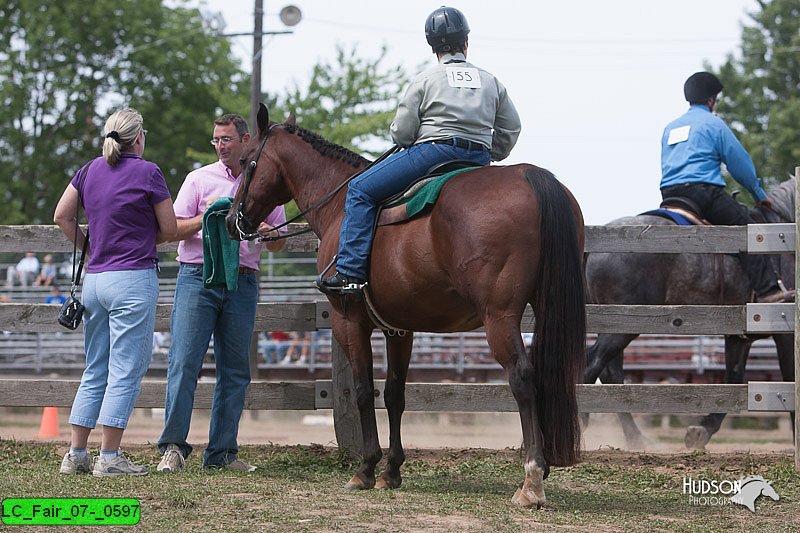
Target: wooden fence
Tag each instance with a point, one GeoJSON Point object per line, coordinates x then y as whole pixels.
{"type": "Point", "coordinates": [336, 393]}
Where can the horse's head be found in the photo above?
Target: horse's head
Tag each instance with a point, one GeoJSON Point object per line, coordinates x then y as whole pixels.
{"type": "Point", "coordinates": [783, 201]}
{"type": "Point", "coordinates": [263, 187]}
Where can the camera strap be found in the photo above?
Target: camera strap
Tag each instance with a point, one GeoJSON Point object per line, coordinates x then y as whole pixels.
{"type": "Point", "coordinates": [76, 276]}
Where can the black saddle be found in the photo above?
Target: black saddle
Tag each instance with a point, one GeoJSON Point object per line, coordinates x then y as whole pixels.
{"type": "Point", "coordinates": [681, 202]}
{"type": "Point", "coordinates": [448, 166]}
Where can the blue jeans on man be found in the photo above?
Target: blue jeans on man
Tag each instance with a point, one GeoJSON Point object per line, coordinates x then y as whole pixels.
{"type": "Point", "coordinates": [389, 177]}
{"type": "Point", "coordinates": [196, 315]}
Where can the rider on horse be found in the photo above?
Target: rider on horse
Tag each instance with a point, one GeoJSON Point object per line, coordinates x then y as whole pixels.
{"type": "Point", "coordinates": [451, 111]}
{"type": "Point", "coordinates": [692, 148]}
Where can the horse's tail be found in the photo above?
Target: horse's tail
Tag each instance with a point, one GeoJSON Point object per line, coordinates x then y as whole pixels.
{"type": "Point", "coordinates": [559, 306]}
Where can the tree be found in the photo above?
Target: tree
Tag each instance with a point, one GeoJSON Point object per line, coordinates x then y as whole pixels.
{"type": "Point", "coordinates": [761, 99]}
{"type": "Point", "coordinates": [350, 101]}
{"type": "Point", "coordinates": [65, 65]}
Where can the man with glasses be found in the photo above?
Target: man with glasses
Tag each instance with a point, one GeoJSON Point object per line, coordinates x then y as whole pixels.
{"type": "Point", "coordinates": [199, 312]}
{"type": "Point", "coordinates": [692, 149]}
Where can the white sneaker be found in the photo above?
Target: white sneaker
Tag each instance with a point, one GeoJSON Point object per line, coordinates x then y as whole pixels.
{"type": "Point", "coordinates": [172, 461]}
{"type": "Point", "coordinates": [71, 464]}
{"type": "Point", "coordinates": [119, 466]}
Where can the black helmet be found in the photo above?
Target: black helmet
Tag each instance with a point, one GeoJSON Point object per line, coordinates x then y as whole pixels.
{"type": "Point", "coordinates": [445, 29]}
{"type": "Point", "coordinates": [700, 87]}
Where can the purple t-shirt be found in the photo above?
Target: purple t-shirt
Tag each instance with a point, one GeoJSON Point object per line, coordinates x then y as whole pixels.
{"type": "Point", "coordinates": [119, 204]}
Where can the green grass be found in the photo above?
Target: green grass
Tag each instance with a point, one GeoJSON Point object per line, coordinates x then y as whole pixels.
{"type": "Point", "coordinates": [300, 488]}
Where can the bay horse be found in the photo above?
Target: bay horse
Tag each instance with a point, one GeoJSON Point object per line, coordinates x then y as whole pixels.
{"type": "Point", "coordinates": [497, 239]}
{"type": "Point", "coordinates": [683, 279]}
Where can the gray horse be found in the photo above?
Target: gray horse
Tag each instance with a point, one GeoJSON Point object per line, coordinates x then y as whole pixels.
{"type": "Point", "coordinates": [682, 279]}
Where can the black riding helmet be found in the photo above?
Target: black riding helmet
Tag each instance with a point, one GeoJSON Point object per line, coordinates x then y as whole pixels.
{"type": "Point", "coordinates": [700, 87]}
{"type": "Point", "coordinates": [446, 28]}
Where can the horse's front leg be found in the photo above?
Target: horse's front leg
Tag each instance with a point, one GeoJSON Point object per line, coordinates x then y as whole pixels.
{"type": "Point", "coordinates": [398, 349]}
{"type": "Point", "coordinates": [354, 338]}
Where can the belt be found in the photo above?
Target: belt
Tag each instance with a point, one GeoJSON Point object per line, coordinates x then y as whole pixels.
{"type": "Point", "coordinates": [460, 142]}
{"type": "Point", "coordinates": [247, 270]}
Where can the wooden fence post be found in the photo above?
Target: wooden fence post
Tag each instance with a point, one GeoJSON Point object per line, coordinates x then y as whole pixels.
{"type": "Point", "coordinates": [346, 420]}
{"type": "Point", "coordinates": [797, 322]}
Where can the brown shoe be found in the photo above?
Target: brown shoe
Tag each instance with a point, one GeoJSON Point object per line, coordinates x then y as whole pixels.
{"type": "Point", "coordinates": [776, 297]}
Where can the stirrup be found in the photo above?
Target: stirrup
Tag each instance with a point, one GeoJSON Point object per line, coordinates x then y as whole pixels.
{"type": "Point", "coordinates": [339, 283]}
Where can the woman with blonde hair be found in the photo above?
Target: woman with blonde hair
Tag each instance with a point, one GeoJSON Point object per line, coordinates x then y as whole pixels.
{"type": "Point", "coordinates": [129, 210]}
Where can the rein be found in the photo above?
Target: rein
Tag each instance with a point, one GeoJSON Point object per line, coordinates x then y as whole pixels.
{"type": "Point", "coordinates": [250, 169]}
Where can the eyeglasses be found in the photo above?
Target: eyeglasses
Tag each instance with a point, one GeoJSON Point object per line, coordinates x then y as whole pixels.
{"type": "Point", "coordinates": [144, 132]}
{"type": "Point", "coordinates": [221, 141]}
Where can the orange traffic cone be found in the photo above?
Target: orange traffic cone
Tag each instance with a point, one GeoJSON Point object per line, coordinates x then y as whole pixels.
{"type": "Point", "coordinates": [48, 429]}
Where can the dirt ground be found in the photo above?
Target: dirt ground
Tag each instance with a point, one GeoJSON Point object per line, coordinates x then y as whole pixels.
{"type": "Point", "coordinates": [427, 430]}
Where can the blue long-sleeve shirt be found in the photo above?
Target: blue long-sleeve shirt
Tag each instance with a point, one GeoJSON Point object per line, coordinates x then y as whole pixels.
{"type": "Point", "coordinates": [693, 147]}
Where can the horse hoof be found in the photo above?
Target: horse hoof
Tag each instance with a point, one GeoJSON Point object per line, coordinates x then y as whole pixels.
{"type": "Point", "coordinates": [696, 437]}
{"type": "Point", "coordinates": [383, 484]}
{"type": "Point", "coordinates": [356, 483]}
{"type": "Point", "coordinates": [525, 501]}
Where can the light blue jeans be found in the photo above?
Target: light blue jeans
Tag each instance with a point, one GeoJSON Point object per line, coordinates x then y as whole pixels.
{"type": "Point", "coordinates": [196, 315]}
{"type": "Point", "coordinates": [118, 331]}
{"type": "Point", "coordinates": [389, 177]}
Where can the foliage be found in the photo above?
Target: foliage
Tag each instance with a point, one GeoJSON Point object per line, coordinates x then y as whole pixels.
{"type": "Point", "coordinates": [761, 99]}
{"type": "Point", "coordinates": [349, 101]}
{"type": "Point", "coordinates": [65, 65]}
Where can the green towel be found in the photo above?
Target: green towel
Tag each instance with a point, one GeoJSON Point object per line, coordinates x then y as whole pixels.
{"type": "Point", "coordinates": [428, 194]}
{"type": "Point", "coordinates": [220, 252]}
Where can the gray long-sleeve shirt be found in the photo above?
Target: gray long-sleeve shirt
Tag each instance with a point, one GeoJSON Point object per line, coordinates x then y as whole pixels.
{"type": "Point", "coordinates": [457, 99]}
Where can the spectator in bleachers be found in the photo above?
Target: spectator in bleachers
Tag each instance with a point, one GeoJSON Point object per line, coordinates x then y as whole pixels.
{"type": "Point", "coordinates": [25, 271]}
{"type": "Point", "coordinates": [298, 343]}
{"type": "Point", "coordinates": [276, 346]}
{"type": "Point", "coordinates": [55, 296]}
{"type": "Point", "coordinates": [48, 271]}
{"type": "Point", "coordinates": [129, 210]}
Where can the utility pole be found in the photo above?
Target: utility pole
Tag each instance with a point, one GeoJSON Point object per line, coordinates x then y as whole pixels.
{"type": "Point", "coordinates": [255, 79]}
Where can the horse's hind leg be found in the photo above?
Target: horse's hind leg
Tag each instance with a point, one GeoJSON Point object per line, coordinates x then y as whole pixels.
{"type": "Point", "coordinates": [604, 361]}
{"type": "Point", "coordinates": [505, 343]}
{"type": "Point", "coordinates": [736, 351]}
{"type": "Point", "coordinates": [613, 374]}
{"type": "Point", "coordinates": [398, 349]}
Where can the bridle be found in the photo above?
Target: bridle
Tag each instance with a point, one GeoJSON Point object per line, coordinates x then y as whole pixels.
{"type": "Point", "coordinates": [248, 176]}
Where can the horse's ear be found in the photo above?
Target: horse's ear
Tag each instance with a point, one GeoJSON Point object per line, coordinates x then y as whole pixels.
{"type": "Point", "coordinates": [262, 119]}
{"type": "Point", "coordinates": [291, 119]}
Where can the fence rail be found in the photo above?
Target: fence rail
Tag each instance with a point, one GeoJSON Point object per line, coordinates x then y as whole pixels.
{"type": "Point", "coordinates": [307, 316]}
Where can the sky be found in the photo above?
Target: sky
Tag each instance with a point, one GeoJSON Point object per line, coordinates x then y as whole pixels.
{"type": "Point", "coordinates": [594, 82]}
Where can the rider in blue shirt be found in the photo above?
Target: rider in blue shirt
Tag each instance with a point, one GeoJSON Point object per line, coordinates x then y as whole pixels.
{"type": "Point", "coordinates": [692, 149]}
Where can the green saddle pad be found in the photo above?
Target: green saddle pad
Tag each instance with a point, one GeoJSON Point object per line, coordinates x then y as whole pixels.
{"type": "Point", "coordinates": [427, 194]}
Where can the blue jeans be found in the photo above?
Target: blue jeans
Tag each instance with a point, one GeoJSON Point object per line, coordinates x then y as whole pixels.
{"type": "Point", "coordinates": [118, 338]}
{"type": "Point", "coordinates": [389, 177]}
{"type": "Point", "coordinates": [196, 315]}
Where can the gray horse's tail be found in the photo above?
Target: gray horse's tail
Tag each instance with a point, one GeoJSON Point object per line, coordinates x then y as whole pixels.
{"type": "Point", "coordinates": [559, 307]}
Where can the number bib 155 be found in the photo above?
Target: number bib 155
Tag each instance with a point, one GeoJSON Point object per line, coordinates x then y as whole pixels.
{"type": "Point", "coordinates": [467, 77]}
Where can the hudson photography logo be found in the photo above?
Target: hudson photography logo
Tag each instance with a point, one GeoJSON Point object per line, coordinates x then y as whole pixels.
{"type": "Point", "coordinates": [745, 491]}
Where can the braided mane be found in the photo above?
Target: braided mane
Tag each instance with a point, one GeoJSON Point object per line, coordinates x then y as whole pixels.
{"type": "Point", "coordinates": [325, 147]}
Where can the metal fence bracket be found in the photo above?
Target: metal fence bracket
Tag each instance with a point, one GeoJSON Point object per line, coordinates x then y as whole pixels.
{"type": "Point", "coordinates": [770, 238]}
{"type": "Point", "coordinates": [770, 318]}
{"type": "Point", "coordinates": [770, 396]}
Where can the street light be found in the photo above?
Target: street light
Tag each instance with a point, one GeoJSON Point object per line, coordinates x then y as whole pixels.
{"type": "Point", "coordinates": [290, 16]}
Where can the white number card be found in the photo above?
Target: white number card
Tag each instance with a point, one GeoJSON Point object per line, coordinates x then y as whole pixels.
{"type": "Point", "coordinates": [678, 135]}
{"type": "Point", "coordinates": [467, 77]}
